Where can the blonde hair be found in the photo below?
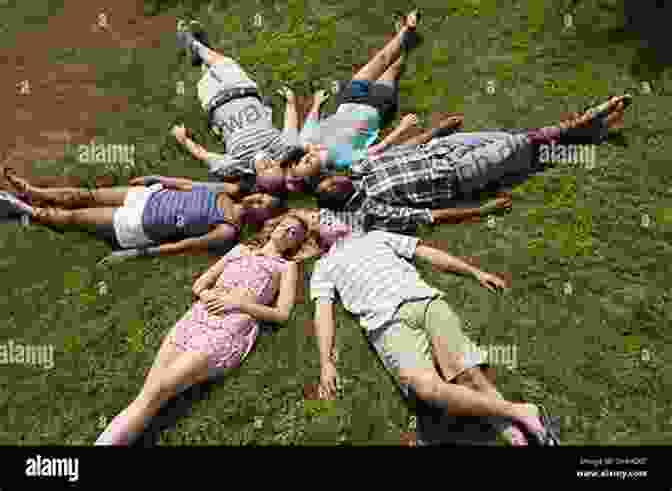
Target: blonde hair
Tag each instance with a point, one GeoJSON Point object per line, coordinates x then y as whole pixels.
{"type": "Point", "coordinates": [309, 247]}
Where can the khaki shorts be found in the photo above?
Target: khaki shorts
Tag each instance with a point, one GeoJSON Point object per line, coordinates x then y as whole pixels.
{"type": "Point", "coordinates": [406, 342]}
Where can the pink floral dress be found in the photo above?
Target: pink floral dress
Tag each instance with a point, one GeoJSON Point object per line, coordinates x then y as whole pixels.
{"type": "Point", "coordinates": [228, 338]}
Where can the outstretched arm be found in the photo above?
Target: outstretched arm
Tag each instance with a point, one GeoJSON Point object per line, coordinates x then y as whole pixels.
{"type": "Point", "coordinates": [456, 215]}
{"type": "Point", "coordinates": [184, 184]}
{"type": "Point", "coordinates": [312, 121]}
{"type": "Point", "coordinates": [291, 114]}
{"type": "Point", "coordinates": [180, 134]}
{"type": "Point", "coordinates": [214, 240]}
{"type": "Point", "coordinates": [325, 330]}
{"type": "Point", "coordinates": [193, 245]}
{"type": "Point", "coordinates": [445, 261]}
{"type": "Point", "coordinates": [176, 183]}
{"type": "Point", "coordinates": [323, 292]}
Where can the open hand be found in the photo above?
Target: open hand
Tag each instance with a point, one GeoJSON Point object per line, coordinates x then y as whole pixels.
{"type": "Point", "coordinates": [328, 377]}
{"type": "Point", "coordinates": [490, 281]}
{"type": "Point", "coordinates": [119, 256]}
{"type": "Point", "coordinates": [409, 121]}
{"type": "Point", "coordinates": [179, 132]}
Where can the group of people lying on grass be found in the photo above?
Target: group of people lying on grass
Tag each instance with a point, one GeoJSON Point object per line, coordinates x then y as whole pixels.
{"type": "Point", "coordinates": [372, 198]}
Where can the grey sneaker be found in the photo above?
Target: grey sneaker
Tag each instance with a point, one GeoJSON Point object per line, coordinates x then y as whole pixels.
{"type": "Point", "coordinates": [186, 37]}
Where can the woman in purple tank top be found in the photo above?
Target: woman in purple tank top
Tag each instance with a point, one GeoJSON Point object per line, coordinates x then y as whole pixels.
{"type": "Point", "coordinates": [254, 282]}
{"type": "Point", "coordinates": [163, 216]}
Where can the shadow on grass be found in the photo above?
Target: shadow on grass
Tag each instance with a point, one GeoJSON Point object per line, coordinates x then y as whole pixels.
{"type": "Point", "coordinates": [646, 24]}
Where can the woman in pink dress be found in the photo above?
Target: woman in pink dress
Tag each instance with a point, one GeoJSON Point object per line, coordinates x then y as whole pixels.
{"type": "Point", "coordinates": [256, 281]}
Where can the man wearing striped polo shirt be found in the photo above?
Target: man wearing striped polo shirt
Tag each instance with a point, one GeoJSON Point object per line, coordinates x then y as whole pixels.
{"type": "Point", "coordinates": [242, 120]}
{"type": "Point", "coordinates": [411, 327]}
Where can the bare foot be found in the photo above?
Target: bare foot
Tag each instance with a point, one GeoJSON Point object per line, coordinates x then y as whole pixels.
{"type": "Point", "coordinates": [19, 184]}
{"type": "Point", "coordinates": [448, 120]}
{"type": "Point", "coordinates": [528, 416]}
{"type": "Point", "coordinates": [514, 436]}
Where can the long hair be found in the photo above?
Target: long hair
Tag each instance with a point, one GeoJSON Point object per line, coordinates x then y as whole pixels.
{"type": "Point", "coordinates": [309, 247]}
{"type": "Point", "coordinates": [291, 156]}
{"type": "Point", "coordinates": [333, 200]}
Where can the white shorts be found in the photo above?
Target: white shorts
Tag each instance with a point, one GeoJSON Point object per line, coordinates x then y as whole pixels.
{"type": "Point", "coordinates": [128, 218]}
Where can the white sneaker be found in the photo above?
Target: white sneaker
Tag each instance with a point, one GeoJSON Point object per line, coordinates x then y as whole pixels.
{"type": "Point", "coordinates": [10, 205]}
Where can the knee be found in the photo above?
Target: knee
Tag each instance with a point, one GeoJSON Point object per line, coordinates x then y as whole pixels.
{"type": "Point", "coordinates": [425, 384]}
{"type": "Point", "coordinates": [220, 59]}
{"type": "Point", "coordinates": [158, 392]}
{"type": "Point", "coordinates": [475, 379]}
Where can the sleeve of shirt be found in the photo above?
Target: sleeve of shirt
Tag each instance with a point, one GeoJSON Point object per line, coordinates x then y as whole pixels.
{"type": "Point", "coordinates": [399, 219]}
{"type": "Point", "coordinates": [403, 245]}
{"type": "Point", "coordinates": [341, 155]}
{"type": "Point", "coordinates": [225, 165]}
{"type": "Point", "coordinates": [290, 137]}
{"type": "Point", "coordinates": [310, 131]}
{"type": "Point", "coordinates": [322, 288]}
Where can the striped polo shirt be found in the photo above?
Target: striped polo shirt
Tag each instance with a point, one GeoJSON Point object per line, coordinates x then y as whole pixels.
{"type": "Point", "coordinates": [373, 275]}
{"type": "Point", "coordinates": [247, 129]}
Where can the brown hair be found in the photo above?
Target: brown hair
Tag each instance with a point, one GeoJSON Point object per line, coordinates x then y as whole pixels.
{"type": "Point", "coordinates": [309, 247]}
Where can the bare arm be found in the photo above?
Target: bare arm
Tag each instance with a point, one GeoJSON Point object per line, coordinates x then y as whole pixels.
{"type": "Point", "coordinates": [284, 304]}
{"type": "Point", "coordinates": [207, 279]}
{"type": "Point", "coordinates": [325, 328]}
{"type": "Point", "coordinates": [291, 114]}
{"type": "Point", "coordinates": [455, 215]}
{"type": "Point", "coordinates": [195, 245]}
{"type": "Point", "coordinates": [177, 183]}
{"type": "Point", "coordinates": [445, 261]}
{"type": "Point", "coordinates": [198, 151]}
{"type": "Point", "coordinates": [311, 123]}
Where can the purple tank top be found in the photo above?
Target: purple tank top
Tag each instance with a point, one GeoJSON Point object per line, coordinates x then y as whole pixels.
{"type": "Point", "coordinates": [171, 215]}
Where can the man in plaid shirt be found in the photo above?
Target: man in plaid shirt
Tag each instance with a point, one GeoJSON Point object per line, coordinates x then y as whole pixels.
{"type": "Point", "coordinates": [405, 186]}
{"type": "Point", "coordinates": [390, 184]}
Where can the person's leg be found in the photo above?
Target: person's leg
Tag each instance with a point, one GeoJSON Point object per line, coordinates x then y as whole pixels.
{"type": "Point", "coordinates": [89, 218]}
{"type": "Point", "coordinates": [460, 362]}
{"type": "Point", "coordinates": [175, 371]}
{"type": "Point", "coordinates": [69, 197]}
{"type": "Point", "coordinates": [406, 351]}
{"type": "Point", "coordinates": [393, 72]}
{"type": "Point", "coordinates": [377, 66]}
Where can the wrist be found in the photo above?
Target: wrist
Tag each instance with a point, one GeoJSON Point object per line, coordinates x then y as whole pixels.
{"type": "Point", "coordinates": [488, 207]}
{"type": "Point", "coordinates": [326, 360]}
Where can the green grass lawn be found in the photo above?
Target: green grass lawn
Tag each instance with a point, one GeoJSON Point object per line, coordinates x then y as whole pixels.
{"type": "Point", "coordinates": [598, 356]}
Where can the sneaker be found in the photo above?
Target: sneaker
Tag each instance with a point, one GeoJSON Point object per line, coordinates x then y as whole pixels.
{"type": "Point", "coordinates": [11, 206]}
